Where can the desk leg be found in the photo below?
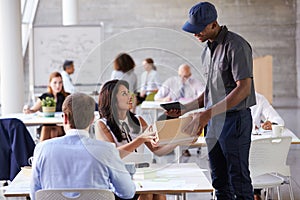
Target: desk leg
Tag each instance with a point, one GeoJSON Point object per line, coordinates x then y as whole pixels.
{"type": "Point", "coordinates": [177, 153]}
{"type": "Point", "coordinates": [177, 197]}
{"type": "Point", "coordinates": [155, 115]}
{"type": "Point", "coordinates": [183, 196]}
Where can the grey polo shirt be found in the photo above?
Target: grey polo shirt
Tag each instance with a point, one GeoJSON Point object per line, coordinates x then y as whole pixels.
{"type": "Point", "coordinates": [227, 60]}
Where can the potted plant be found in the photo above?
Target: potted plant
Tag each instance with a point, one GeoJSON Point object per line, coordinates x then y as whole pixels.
{"type": "Point", "coordinates": [48, 106]}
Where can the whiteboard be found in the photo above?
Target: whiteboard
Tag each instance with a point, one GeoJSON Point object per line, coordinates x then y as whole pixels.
{"type": "Point", "coordinates": [52, 45]}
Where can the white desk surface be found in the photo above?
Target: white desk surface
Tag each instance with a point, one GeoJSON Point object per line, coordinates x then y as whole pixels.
{"type": "Point", "coordinates": [156, 104]}
{"type": "Point", "coordinates": [20, 186]}
{"type": "Point", "coordinates": [261, 134]}
{"type": "Point", "coordinates": [174, 178]}
{"type": "Point", "coordinates": [152, 105]}
{"type": "Point", "coordinates": [170, 178]}
{"type": "Point", "coordinates": [268, 134]}
{"type": "Point", "coordinates": [38, 118]}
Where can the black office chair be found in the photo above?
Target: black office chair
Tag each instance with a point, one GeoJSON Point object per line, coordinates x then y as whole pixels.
{"type": "Point", "coordinates": [16, 146]}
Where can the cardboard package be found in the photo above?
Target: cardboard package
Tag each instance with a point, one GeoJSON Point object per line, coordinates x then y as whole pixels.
{"type": "Point", "coordinates": [170, 131]}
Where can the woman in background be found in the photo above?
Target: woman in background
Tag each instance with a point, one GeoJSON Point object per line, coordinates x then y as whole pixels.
{"type": "Point", "coordinates": [55, 90]}
{"type": "Point", "coordinates": [124, 70]}
{"type": "Point", "coordinates": [150, 82]}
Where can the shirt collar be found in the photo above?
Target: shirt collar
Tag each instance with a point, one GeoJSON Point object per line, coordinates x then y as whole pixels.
{"type": "Point", "coordinates": [219, 39]}
{"type": "Point", "coordinates": [125, 120]}
{"type": "Point", "coordinates": [77, 132]}
{"type": "Point", "coordinates": [221, 36]}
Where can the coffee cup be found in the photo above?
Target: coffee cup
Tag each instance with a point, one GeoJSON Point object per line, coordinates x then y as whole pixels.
{"type": "Point", "coordinates": [277, 130]}
{"type": "Point", "coordinates": [30, 160]}
{"type": "Point", "coordinates": [130, 167]}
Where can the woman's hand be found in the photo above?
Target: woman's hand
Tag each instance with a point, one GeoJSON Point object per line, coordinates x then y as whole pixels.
{"type": "Point", "coordinates": [167, 99]}
{"type": "Point", "coordinates": [26, 109]}
{"type": "Point", "coordinates": [143, 93]}
{"type": "Point", "coordinates": [149, 135]}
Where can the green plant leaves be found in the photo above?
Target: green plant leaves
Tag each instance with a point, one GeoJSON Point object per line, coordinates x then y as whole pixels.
{"type": "Point", "coordinates": [48, 102]}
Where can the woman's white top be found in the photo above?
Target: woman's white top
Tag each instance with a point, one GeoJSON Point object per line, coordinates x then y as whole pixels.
{"type": "Point", "coordinates": [150, 81]}
{"type": "Point", "coordinates": [129, 76]}
{"type": "Point", "coordinates": [140, 149]}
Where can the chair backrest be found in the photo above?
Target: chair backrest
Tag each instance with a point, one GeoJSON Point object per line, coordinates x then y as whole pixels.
{"type": "Point", "coordinates": [16, 146]}
{"type": "Point", "coordinates": [75, 194]}
{"type": "Point", "coordinates": [269, 155]}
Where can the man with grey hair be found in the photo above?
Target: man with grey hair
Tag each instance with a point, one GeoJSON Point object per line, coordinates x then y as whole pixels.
{"type": "Point", "coordinates": [180, 88]}
{"type": "Point", "coordinates": [77, 161]}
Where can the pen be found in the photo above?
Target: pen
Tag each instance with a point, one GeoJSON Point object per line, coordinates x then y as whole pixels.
{"type": "Point", "coordinates": [140, 185]}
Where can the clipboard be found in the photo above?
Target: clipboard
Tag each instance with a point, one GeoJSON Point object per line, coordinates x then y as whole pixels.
{"type": "Point", "coordinates": [170, 131]}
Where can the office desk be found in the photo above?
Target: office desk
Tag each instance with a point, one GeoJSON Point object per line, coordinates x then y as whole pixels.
{"type": "Point", "coordinates": [153, 106]}
{"type": "Point", "coordinates": [268, 134]}
{"type": "Point", "coordinates": [171, 178]}
{"type": "Point", "coordinates": [20, 186]}
{"type": "Point", "coordinates": [37, 118]}
{"type": "Point", "coordinates": [263, 134]}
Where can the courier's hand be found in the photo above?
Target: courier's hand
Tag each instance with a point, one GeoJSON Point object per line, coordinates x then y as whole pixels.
{"type": "Point", "coordinates": [199, 121]}
{"type": "Point", "coordinates": [267, 125]}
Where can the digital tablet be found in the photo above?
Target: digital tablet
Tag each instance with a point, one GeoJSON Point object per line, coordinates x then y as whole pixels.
{"type": "Point", "coordinates": [173, 105]}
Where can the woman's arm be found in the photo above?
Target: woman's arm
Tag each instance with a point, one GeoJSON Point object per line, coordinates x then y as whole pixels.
{"type": "Point", "coordinates": [158, 150]}
{"type": "Point", "coordinates": [104, 134]}
{"type": "Point", "coordinates": [147, 137]}
{"type": "Point", "coordinates": [36, 107]}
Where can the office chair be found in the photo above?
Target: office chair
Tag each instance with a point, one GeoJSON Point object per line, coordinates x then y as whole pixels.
{"type": "Point", "coordinates": [75, 194]}
{"type": "Point", "coordinates": [16, 146]}
{"type": "Point", "coordinates": [267, 164]}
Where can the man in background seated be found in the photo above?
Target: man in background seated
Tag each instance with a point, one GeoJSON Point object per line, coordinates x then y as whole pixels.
{"type": "Point", "coordinates": [180, 88]}
{"type": "Point", "coordinates": [263, 114]}
{"type": "Point", "coordinates": [68, 69]}
{"type": "Point", "coordinates": [77, 161]}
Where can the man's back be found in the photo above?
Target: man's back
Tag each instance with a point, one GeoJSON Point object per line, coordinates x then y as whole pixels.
{"type": "Point", "coordinates": [76, 161]}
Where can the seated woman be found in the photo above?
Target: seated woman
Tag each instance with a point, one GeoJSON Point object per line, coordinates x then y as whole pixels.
{"type": "Point", "coordinates": [119, 125]}
{"type": "Point", "coordinates": [150, 82]}
{"type": "Point", "coordinates": [55, 90]}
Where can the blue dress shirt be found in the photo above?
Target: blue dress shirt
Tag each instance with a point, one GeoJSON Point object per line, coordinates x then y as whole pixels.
{"type": "Point", "coordinates": [77, 161]}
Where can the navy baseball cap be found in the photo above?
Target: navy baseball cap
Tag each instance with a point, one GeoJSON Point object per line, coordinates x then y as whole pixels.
{"type": "Point", "coordinates": [200, 16]}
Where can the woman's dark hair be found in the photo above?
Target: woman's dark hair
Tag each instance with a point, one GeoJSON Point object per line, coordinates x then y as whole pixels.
{"type": "Point", "coordinates": [151, 61]}
{"type": "Point", "coordinates": [107, 105]}
{"type": "Point", "coordinates": [123, 62]}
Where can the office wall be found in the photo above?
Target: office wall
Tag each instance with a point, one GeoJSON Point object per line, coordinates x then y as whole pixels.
{"type": "Point", "coordinates": [268, 25]}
